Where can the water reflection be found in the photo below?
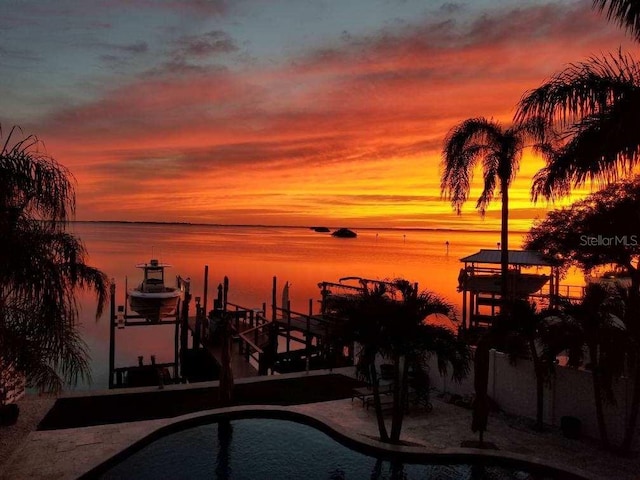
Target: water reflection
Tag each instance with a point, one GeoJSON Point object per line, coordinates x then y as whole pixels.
{"type": "Point", "coordinates": [250, 257]}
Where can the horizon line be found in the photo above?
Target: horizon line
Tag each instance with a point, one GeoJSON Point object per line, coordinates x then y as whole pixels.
{"type": "Point", "coordinates": [428, 229]}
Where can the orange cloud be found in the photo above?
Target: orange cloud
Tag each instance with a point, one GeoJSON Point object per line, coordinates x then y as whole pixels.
{"type": "Point", "coordinates": [349, 131]}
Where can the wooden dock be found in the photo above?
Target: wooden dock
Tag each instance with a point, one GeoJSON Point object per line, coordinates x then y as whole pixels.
{"type": "Point", "coordinates": [314, 325]}
{"type": "Point", "coordinates": [198, 339]}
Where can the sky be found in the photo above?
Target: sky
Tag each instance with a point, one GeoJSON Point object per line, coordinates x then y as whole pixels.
{"type": "Point", "coordinates": [287, 112]}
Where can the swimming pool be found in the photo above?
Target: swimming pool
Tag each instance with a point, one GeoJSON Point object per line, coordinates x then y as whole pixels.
{"type": "Point", "coordinates": [267, 448]}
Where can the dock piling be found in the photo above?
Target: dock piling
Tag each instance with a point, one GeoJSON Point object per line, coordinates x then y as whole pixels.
{"type": "Point", "coordinates": [112, 332]}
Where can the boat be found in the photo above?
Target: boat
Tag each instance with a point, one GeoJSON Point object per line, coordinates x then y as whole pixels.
{"type": "Point", "coordinates": [152, 299]}
{"type": "Point", "coordinates": [321, 229]}
{"type": "Point", "coordinates": [519, 284]}
{"type": "Point", "coordinates": [344, 233]}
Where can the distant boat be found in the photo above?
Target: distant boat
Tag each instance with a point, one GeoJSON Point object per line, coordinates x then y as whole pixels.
{"type": "Point", "coordinates": [344, 233]}
{"type": "Point", "coordinates": [152, 299]}
{"type": "Point", "coordinates": [320, 229]}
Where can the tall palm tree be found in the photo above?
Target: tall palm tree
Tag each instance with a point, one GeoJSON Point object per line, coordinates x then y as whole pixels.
{"type": "Point", "coordinates": [41, 267]}
{"type": "Point", "coordinates": [388, 319]}
{"type": "Point", "coordinates": [597, 104]}
{"type": "Point", "coordinates": [500, 150]}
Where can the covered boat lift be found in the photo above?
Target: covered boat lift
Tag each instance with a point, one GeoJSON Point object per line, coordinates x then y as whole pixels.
{"type": "Point", "coordinates": [480, 278]}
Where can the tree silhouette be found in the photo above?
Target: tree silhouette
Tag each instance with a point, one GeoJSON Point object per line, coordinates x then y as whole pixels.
{"type": "Point", "coordinates": [41, 268]}
{"type": "Point", "coordinates": [499, 150]}
{"type": "Point", "coordinates": [388, 319]}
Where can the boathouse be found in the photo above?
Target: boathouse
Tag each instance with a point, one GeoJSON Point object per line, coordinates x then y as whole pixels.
{"type": "Point", "coordinates": [531, 276]}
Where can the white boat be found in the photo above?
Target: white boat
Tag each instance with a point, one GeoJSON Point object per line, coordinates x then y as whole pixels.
{"type": "Point", "coordinates": [152, 299]}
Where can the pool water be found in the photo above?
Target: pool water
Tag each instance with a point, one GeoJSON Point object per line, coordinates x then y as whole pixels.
{"type": "Point", "coordinates": [268, 449]}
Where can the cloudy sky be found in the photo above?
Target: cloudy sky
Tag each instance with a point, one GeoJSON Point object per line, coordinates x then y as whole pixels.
{"type": "Point", "coordinates": [289, 112]}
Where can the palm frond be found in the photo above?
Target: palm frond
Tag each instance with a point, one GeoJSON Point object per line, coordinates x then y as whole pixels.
{"type": "Point", "coordinates": [624, 13]}
{"type": "Point", "coordinates": [602, 150]}
{"type": "Point", "coordinates": [34, 181]}
{"type": "Point", "coordinates": [41, 268]}
{"type": "Point", "coordinates": [465, 145]}
{"type": "Point", "coordinates": [582, 89]}
{"type": "Point", "coordinates": [491, 166]}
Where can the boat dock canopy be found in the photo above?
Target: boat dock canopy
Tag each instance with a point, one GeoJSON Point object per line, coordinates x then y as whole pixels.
{"type": "Point", "coordinates": [516, 257]}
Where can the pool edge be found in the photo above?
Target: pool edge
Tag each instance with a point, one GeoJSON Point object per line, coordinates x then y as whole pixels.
{"type": "Point", "coordinates": [362, 444]}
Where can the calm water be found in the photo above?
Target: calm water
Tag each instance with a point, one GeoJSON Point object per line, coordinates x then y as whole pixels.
{"type": "Point", "coordinates": [250, 257]}
{"type": "Point", "coordinates": [274, 449]}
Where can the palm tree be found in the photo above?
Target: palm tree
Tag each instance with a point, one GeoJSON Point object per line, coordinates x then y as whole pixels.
{"type": "Point", "coordinates": [525, 335]}
{"type": "Point", "coordinates": [596, 104]}
{"type": "Point", "coordinates": [625, 13]}
{"type": "Point", "coordinates": [388, 319]}
{"type": "Point", "coordinates": [500, 150]}
{"type": "Point", "coordinates": [595, 322]}
{"type": "Point", "coordinates": [41, 267]}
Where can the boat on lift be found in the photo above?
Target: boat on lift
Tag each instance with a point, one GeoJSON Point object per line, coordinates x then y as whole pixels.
{"type": "Point", "coordinates": [152, 299]}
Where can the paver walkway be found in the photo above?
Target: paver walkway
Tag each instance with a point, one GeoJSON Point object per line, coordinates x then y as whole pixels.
{"type": "Point", "coordinates": [67, 453]}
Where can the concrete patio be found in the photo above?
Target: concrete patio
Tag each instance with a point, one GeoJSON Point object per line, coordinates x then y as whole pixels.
{"type": "Point", "coordinates": [65, 454]}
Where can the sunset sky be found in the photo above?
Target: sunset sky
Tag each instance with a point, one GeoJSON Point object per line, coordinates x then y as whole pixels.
{"type": "Point", "coordinates": [287, 112]}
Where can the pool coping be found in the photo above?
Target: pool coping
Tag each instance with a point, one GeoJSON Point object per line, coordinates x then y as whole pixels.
{"type": "Point", "coordinates": [360, 443]}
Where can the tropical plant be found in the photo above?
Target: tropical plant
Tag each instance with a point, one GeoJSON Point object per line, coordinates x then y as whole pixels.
{"type": "Point", "coordinates": [388, 319]}
{"type": "Point", "coordinates": [500, 150]}
{"type": "Point", "coordinates": [625, 13]}
{"type": "Point", "coordinates": [596, 322]}
{"type": "Point", "coordinates": [595, 105]}
{"type": "Point", "coordinates": [599, 231]}
{"type": "Point", "coordinates": [524, 334]}
{"type": "Point", "coordinates": [41, 268]}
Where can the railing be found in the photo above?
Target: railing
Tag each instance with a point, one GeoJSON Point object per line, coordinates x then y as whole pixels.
{"type": "Point", "coordinates": [252, 316]}
{"type": "Point", "coordinates": [249, 346]}
{"type": "Point", "coordinates": [286, 315]}
{"type": "Point", "coordinates": [571, 291]}
{"type": "Point", "coordinates": [256, 321]}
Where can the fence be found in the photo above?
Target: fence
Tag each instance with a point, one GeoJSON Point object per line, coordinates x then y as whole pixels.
{"type": "Point", "coordinates": [570, 393]}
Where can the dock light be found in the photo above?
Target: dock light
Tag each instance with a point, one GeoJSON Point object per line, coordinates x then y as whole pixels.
{"type": "Point", "coordinates": [120, 317]}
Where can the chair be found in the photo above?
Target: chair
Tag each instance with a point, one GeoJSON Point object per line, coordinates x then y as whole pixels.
{"type": "Point", "coordinates": [365, 394]}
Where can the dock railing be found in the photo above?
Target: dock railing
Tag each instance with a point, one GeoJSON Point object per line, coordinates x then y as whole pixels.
{"type": "Point", "coordinates": [252, 333]}
{"type": "Point", "coordinates": [246, 318]}
{"type": "Point", "coordinates": [571, 291]}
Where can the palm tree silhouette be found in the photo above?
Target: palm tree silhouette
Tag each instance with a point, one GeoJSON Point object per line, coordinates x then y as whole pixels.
{"type": "Point", "coordinates": [595, 323]}
{"type": "Point", "coordinates": [626, 13]}
{"type": "Point", "coordinates": [41, 267]}
{"type": "Point", "coordinates": [500, 150]}
{"type": "Point", "coordinates": [596, 104]}
{"type": "Point", "coordinates": [388, 319]}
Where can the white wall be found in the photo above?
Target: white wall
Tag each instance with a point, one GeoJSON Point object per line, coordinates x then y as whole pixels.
{"type": "Point", "coordinates": [513, 388]}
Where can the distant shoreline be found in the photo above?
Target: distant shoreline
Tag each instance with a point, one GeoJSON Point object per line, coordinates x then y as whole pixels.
{"type": "Point", "coordinates": [197, 224]}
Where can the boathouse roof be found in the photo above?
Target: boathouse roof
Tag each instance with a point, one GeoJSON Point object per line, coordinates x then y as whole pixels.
{"type": "Point", "coordinates": [516, 257]}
